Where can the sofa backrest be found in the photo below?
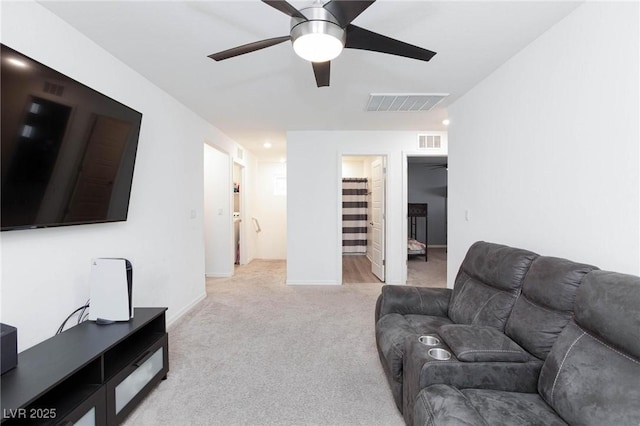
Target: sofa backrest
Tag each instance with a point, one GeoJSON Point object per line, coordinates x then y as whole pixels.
{"type": "Point", "coordinates": [545, 304]}
{"type": "Point", "coordinates": [592, 374]}
{"type": "Point", "coordinates": [488, 283]}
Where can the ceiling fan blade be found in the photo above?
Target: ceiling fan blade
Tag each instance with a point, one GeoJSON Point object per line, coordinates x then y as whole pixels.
{"type": "Point", "coordinates": [346, 11]}
{"type": "Point", "coordinates": [248, 48]}
{"type": "Point", "coordinates": [322, 72]}
{"type": "Point", "coordinates": [359, 38]}
{"type": "Point", "coordinates": [285, 8]}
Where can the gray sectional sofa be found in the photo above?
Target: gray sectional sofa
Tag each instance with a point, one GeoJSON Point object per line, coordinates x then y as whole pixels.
{"type": "Point", "coordinates": [513, 343]}
{"type": "Point", "coordinates": [487, 286]}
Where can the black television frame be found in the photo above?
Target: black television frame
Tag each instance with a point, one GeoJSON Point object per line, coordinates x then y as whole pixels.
{"type": "Point", "coordinates": [66, 197]}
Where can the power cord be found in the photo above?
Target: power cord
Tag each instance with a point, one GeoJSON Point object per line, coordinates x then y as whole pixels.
{"type": "Point", "coordinates": [84, 308]}
{"type": "Point", "coordinates": [81, 308]}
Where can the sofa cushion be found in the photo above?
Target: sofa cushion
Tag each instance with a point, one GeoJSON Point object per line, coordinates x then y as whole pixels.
{"type": "Point", "coordinates": [546, 303]}
{"type": "Point", "coordinates": [592, 373]}
{"type": "Point", "coordinates": [588, 382]}
{"type": "Point", "coordinates": [477, 343]}
{"type": "Point", "coordinates": [511, 408]}
{"type": "Point", "coordinates": [488, 284]}
{"type": "Point", "coordinates": [446, 405]}
{"type": "Point", "coordinates": [610, 308]}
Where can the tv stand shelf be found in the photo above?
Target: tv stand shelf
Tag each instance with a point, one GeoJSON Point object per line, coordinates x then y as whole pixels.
{"type": "Point", "coordinates": [91, 372]}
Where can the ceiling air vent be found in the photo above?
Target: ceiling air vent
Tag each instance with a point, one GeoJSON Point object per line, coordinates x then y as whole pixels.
{"type": "Point", "coordinates": [54, 89]}
{"type": "Point", "coordinates": [429, 141]}
{"type": "Point", "coordinates": [404, 102]}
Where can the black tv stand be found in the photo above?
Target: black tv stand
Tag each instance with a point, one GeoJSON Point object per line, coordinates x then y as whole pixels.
{"type": "Point", "coordinates": [90, 372]}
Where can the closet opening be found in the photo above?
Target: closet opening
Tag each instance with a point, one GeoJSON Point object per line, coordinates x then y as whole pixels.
{"type": "Point", "coordinates": [363, 219]}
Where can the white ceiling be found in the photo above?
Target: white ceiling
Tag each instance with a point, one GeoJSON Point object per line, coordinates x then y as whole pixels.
{"type": "Point", "coordinates": [257, 97]}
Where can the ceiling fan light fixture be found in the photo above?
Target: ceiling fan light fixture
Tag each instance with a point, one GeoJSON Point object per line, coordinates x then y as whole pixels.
{"type": "Point", "coordinates": [319, 33]}
{"type": "Point", "coordinates": [317, 47]}
{"type": "Point", "coordinates": [318, 41]}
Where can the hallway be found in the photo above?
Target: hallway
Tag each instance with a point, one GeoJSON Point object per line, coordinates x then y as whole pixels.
{"type": "Point", "coordinates": [356, 269]}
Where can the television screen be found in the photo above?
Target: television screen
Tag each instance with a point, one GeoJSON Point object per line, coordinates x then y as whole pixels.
{"type": "Point", "coordinates": [68, 151]}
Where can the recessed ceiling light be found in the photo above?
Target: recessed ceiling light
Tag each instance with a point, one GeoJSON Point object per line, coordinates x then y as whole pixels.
{"type": "Point", "coordinates": [17, 62]}
{"type": "Point", "coordinates": [267, 145]}
{"type": "Point", "coordinates": [446, 122]}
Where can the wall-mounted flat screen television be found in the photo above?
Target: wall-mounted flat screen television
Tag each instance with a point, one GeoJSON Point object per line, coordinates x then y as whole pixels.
{"type": "Point", "coordinates": [68, 151]}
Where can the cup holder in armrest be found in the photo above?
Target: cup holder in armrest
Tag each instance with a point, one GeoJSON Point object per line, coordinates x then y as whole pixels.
{"type": "Point", "coordinates": [429, 340]}
{"type": "Point", "coordinates": [439, 354]}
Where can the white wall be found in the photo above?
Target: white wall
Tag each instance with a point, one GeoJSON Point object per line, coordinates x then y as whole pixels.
{"type": "Point", "coordinates": [314, 215]}
{"type": "Point", "coordinates": [544, 152]}
{"type": "Point", "coordinates": [271, 212]}
{"type": "Point", "coordinates": [353, 168]}
{"type": "Point", "coordinates": [45, 271]}
{"type": "Point", "coordinates": [218, 250]}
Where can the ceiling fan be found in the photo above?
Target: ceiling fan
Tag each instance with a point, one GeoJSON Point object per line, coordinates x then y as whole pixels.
{"type": "Point", "coordinates": [321, 31]}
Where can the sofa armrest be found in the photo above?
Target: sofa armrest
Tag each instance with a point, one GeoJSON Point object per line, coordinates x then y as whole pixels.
{"type": "Point", "coordinates": [421, 371]}
{"type": "Point", "coordinates": [478, 343]}
{"type": "Point", "coordinates": [429, 404]}
{"type": "Point", "coordinates": [402, 299]}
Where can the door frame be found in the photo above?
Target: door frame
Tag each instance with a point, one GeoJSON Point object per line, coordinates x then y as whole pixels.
{"type": "Point", "coordinates": [405, 200]}
{"type": "Point", "coordinates": [385, 161]}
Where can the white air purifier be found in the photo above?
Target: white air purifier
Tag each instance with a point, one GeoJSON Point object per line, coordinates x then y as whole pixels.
{"type": "Point", "coordinates": [111, 295]}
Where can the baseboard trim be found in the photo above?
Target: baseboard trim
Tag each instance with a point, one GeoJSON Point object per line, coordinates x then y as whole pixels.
{"type": "Point", "coordinates": [174, 318]}
{"type": "Point", "coordinates": [219, 275]}
{"type": "Point", "coordinates": [327, 282]}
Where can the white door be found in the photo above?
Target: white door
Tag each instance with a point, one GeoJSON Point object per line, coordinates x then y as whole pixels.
{"type": "Point", "coordinates": [218, 211]}
{"type": "Point", "coordinates": [377, 218]}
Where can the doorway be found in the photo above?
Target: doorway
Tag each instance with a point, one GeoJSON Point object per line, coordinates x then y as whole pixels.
{"type": "Point", "coordinates": [362, 198]}
{"type": "Point", "coordinates": [239, 242]}
{"type": "Point", "coordinates": [427, 194]}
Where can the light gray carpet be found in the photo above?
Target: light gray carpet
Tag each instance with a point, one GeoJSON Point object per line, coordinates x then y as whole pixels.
{"type": "Point", "coordinates": [259, 352]}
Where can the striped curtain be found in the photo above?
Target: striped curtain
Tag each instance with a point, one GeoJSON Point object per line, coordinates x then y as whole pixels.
{"type": "Point", "coordinates": [354, 215]}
